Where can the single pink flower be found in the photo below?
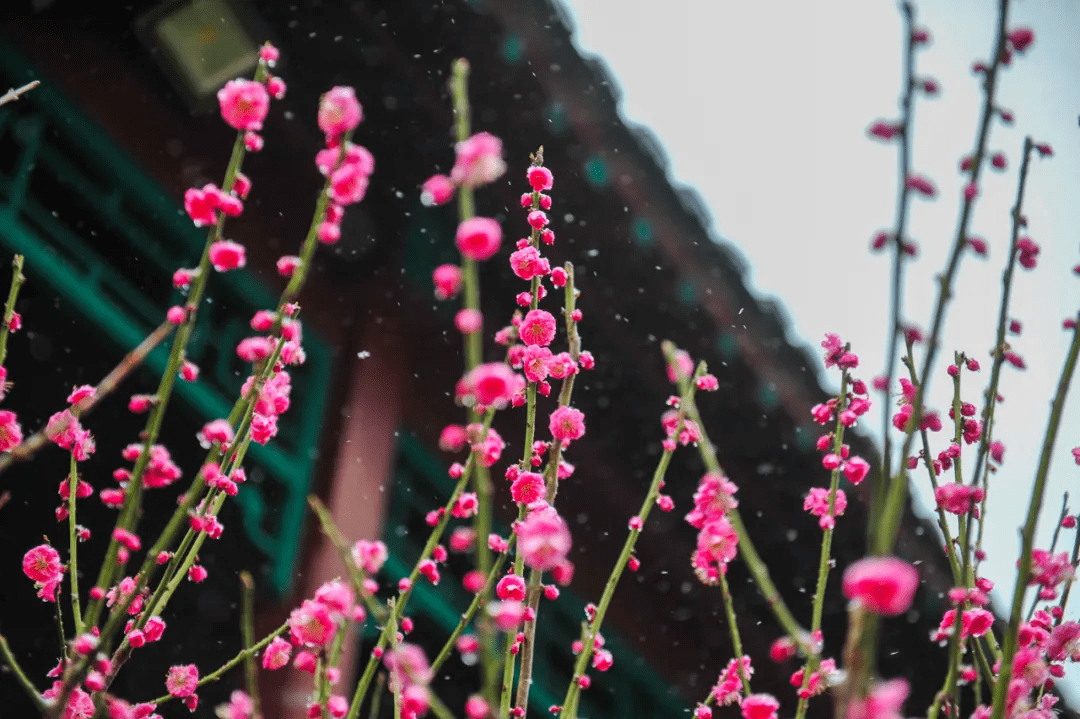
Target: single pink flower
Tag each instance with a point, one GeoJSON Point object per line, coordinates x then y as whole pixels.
{"type": "Point", "coordinates": [447, 279]}
{"type": "Point", "coordinates": [227, 255]}
{"type": "Point", "coordinates": [817, 504]}
{"type": "Point", "coordinates": [760, 706]}
{"type": "Point", "coordinates": [311, 623]}
{"type": "Point", "coordinates": [468, 321]}
{"type": "Point", "coordinates": [479, 161]}
{"type": "Point", "coordinates": [567, 424]}
{"type": "Point", "coordinates": [437, 190]}
{"type": "Point", "coordinates": [370, 555]}
{"type": "Point", "coordinates": [884, 585]}
{"type": "Point", "coordinates": [538, 328]}
{"type": "Point", "coordinates": [507, 615]}
{"type": "Point", "coordinates": [478, 238]}
{"type": "Point", "coordinates": [42, 564]}
{"type": "Point", "coordinates": [543, 539]}
{"type": "Point", "coordinates": [527, 263]}
{"type": "Point", "coordinates": [922, 185]}
{"type": "Point", "coordinates": [511, 588]}
{"type": "Point", "coordinates": [540, 178]}
{"type": "Point", "coordinates": [244, 104]}
{"type": "Point", "coordinates": [490, 384]}
{"type": "Point", "coordinates": [1021, 38]}
{"type": "Point", "coordinates": [528, 488]}
{"type": "Point", "coordinates": [856, 469]}
{"type": "Point", "coordinates": [339, 111]}
{"type": "Point", "coordinates": [336, 596]}
{"type": "Point", "coordinates": [182, 680]}
{"type": "Point", "coordinates": [348, 184]}
{"type": "Point", "coordinates": [884, 701]}
{"type": "Point", "coordinates": [11, 434]}
{"type": "Point", "coordinates": [276, 654]}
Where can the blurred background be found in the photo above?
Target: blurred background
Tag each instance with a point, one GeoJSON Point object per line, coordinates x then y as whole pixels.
{"type": "Point", "coordinates": [713, 185]}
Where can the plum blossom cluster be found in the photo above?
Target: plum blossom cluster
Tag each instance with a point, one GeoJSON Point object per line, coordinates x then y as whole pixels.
{"type": "Point", "coordinates": [843, 411]}
{"type": "Point", "coordinates": [717, 542]}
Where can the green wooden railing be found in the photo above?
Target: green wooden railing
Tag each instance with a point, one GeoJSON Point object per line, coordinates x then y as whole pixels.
{"type": "Point", "coordinates": [98, 232]}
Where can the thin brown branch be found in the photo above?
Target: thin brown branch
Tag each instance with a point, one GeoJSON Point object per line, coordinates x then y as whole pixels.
{"type": "Point", "coordinates": [133, 359]}
{"type": "Point", "coordinates": [16, 92]}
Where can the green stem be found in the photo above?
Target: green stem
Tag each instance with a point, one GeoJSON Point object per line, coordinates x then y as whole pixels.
{"type": "Point", "coordinates": [1028, 534]}
{"type": "Point", "coordinates": [129, 511]}
{"type": "Point", "coordinates": [247, 633]}
{"type": "Point", "coordinates": [397, 605]}
{"type": "Point", "coordinates": [813, 659]}
{"type": "Point", "coordinates": [896, 301]}
{"type": "Point", "coordinates": [747, 552]}
{"type": "Point", "coordinates": [885, 531]}
{"type": "Point", "coordinates": [474, 605]}
{"type": "Point", "coordinates": [569, 705]}
{"type": "Point", "coordinates": [17, 280]}
{"type": "Point", "coordinates": [73, 545]}
{"type": "Point", "coordinates": [999, 345]}
{"type": "Point", "coordinates": [20, 675]}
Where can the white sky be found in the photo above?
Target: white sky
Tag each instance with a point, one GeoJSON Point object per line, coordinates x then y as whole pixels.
{"type": "Point", "coordinates": [763, 107]}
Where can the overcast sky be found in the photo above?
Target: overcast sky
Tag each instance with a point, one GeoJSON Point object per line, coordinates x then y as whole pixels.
{"type": "Point", "coordinates": [763, 107]}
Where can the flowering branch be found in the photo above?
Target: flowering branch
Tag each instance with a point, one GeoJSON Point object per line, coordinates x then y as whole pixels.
{"type": "Point", "coordinates": [1028, 533]}
{"type": "Point", "coordinates": [825, 560]}
{"type": "Point", "coordinates": [474, 605]}
{"type": "Point", "coordinates": [552, 470]}
{"type": "Point", "coordinates": [884, 533]}
{"type": "Point", "coordinates": [747, 552]}
{"type": "Point", "coordinates": [241, 656]}
{"type": "Point", "coordinates": [1003, 322]}
{"type": "Point", "coordinates": [405, 587]}
{"type": "Point", "coordinates": [17, 280]}
{"type": "Point", "coordinates": [128, 513]}
{"type": "Point", "coordinates": [569, 705]}
{"type": "Point", "coordinates": [73, 543]}
{"type": "Point", "coordinates": [900, 249]}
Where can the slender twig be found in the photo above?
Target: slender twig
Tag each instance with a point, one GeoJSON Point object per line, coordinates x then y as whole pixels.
{"type": "Point", "coordinates": [1068, 585]}
{"type": "Point", "coordinates": [17, 280]}
{"type": "Point", "coordinates": [376, 696]}
{"type": "Point", "coordinates": [396, 605]}
{"type": "Point", "coordinates": [24, 682]}
{"type": "Point", "coordinates": [1028, 534]}
{"type": "Point", "coordinates": [474, 605]}
{"type": "Point", "coordinates": [16, 92]}
{"type": "Point", "coordinates": [241, 656]}
{"type": "Point", "coordinates": [73, 544]}
{"type": "Point", "coordinates": [568, 710]}
{"type": "Point", "coordinates": [747, 552]}
{"type": "Point", "coordinates": [1053, 545]}
{"type": "Point", "coordinates": [106, 386]}
{"type": "Point", "coordinates": [998, 353]}
{"type": "Point", "coordinates": [247, 634]}
{"type": "Point", "coordinates": [906, 118]}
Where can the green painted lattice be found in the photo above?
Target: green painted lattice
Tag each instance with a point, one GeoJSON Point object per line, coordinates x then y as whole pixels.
{"type": "Point", "coordinates": [629, 689]}
{"type": "Point", "coordinates": [64, 167]}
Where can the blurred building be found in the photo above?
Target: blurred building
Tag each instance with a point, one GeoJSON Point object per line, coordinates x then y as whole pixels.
{"type": "Point", "coordinates": [93, 166]}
